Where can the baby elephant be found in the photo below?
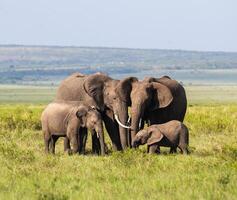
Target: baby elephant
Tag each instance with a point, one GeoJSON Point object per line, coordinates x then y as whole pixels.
{"type": "Point", "coordinates": [65, 119]}
{"type": "Point", "coordinates": [172, 134]}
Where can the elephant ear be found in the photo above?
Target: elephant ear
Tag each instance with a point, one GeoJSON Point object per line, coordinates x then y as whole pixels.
{"type": "Point", "coordinates": [152, 79]}
{"type": "Point", "coordinates": [124, 89]}
{"type": "Point", "coordinates": [166, 76]}
{"type": "Point", "coordinates": [162, 96]}
{"type": "Point", "coordinates": [81, 115]}
{"type": "Point", "coordinates": [78, 74]}
{"type": "Point", "coordinates": [94, 86]}
{"type": "Point", "coordinates": [155, 136]}
{"type": "Point", "coordinates": [149, 79]}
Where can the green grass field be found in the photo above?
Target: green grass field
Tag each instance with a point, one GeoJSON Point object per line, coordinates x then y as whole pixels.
{"type": "Point", "coordinates": [209, 172]}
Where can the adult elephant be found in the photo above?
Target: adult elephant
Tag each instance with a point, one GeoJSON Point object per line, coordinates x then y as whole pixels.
{"type": "Point", "coordinates": [156, 100]}
{"type": "Point", "coordinates": [108, 95]}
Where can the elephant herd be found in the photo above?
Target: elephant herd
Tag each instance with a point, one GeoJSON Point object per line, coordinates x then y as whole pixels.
{"type": "Point", "coordinates": [87, 101]}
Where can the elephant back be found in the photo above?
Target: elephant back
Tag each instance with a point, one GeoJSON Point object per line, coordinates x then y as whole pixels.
{"type": "Point", "coordinates": [175, 87]}
{"type": "Point", "coordinates": [71, 89]}
{"type": "Point", "coordinates": [169, 128]}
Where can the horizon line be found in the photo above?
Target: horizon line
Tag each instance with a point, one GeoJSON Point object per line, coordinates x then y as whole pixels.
{"type": "Point", "coordinates": [111, 47]}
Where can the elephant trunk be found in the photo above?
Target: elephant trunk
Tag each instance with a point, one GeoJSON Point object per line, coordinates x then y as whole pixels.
{"type": "Point", "coordinates": [136, 114]}
{"type": "Point", "coordinates": [123, 117]}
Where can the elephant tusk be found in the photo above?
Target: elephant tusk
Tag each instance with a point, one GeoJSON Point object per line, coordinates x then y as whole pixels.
{"type": "Point", "coordinates": [140, 123]}
{"type": "Point", "coordinates": [124, 126]}
{"type": "Point", "coordinates": [129, 119]}
{"type": "Point", "coordinates": [98, 136]}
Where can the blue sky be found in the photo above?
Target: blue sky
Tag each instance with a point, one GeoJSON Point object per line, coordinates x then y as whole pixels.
{"type": "Point", "coordinates": [209, 25]}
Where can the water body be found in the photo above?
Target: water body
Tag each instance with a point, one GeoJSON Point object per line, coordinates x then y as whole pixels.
{"type": "Point", "coordinates": [189, 77]}
{"type": "Point", "coordinates": [186, 76]}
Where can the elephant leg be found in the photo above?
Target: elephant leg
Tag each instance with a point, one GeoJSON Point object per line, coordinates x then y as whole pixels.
{"type": "Point", "coordinates": [74, 142]}
{"type": "Point", "coordinates": [50, 144]}
{"type": "Point", "coordinates": [95, 143]}
{"type": "Point", "coordinates": [153, 149]}
{"type": "Point", "coordinates": [158, 150]}
{"type": "Point", "coordinates": [113, 132]}
{"type": "Point", "coordinates": [47, 141]}
{"type": "Point", "coordinates": [66, 144]}
{"type": "Point", "coordinates": [173, 150]}
{"type": "Point", "coordinates": [72, 134]}
{"type": "Point", "coordinates": [183, 149]}
{"type": "Point", "coordinates": [82, 140]}
{"type": "Point", "coordinates": [54, 139]}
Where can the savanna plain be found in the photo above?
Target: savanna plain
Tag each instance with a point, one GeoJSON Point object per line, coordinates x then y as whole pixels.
{"type": "Point", "coordinates": [209, 172]}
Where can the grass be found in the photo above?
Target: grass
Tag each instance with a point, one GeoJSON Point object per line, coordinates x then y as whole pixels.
{"type": "Point", "coordinates": [210, 94]}
{"type": "Point", "coordinates": [209, 172]}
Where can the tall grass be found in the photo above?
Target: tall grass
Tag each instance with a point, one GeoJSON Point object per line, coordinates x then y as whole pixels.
{"type": "Point", "coordinates": [20, 117]}
{"type": "Point", "coordinates": [210, 172]}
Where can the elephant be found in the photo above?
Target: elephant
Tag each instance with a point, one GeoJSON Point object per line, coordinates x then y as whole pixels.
{"type": "Point", "coordinates": [171, 134]}
{"type": "Point", "coordinates": [64, 119]}
{"type": "Point", "coordinates": [155, 100]}
{"type": "Point", "coordinates": [106, 94]}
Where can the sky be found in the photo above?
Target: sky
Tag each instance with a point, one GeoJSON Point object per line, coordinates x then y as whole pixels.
{"type": "Point", "coordinates": [204, 25]}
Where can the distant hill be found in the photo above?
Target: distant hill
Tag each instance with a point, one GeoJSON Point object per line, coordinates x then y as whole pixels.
{"type": "Point", "coordinates": [50, 64]}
